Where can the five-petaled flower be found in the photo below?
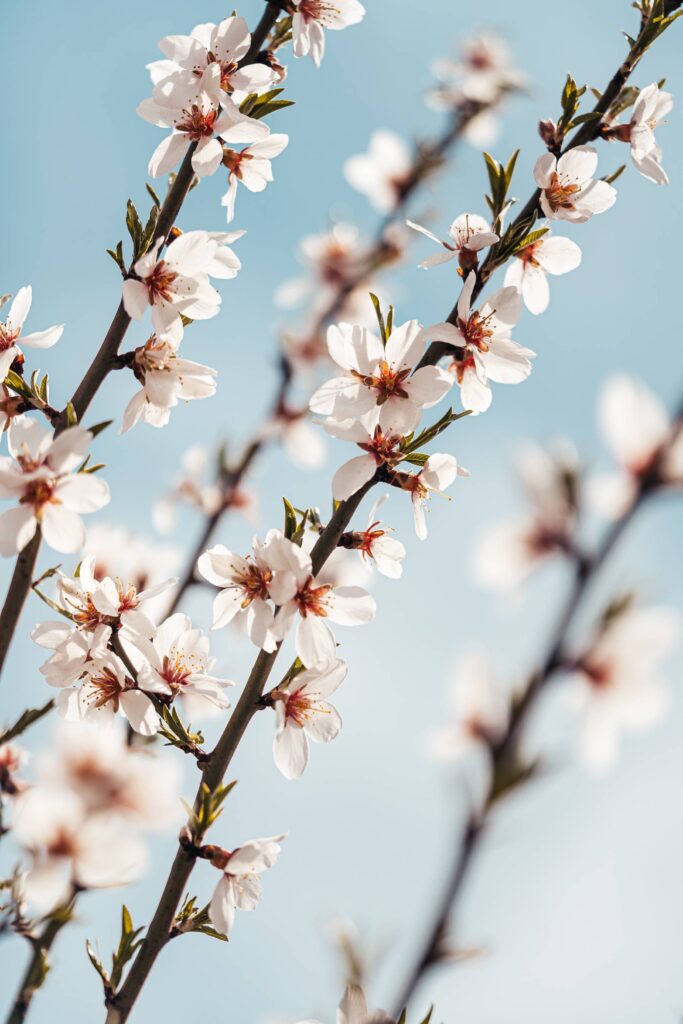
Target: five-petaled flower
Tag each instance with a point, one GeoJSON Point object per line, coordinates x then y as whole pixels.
{"type": "Point", "coordinates": [312, 17]}
{"type": "Point", "coordinates": [384, 376]}
{"type": "Point", "coordinates": [568, 189]}
{"type": "Point", "coordinates": [469, 234]}
{"type": "Point", "coordinates": [650, 107]}
{"type": "Point", "coordinates": [302, 713]}
{"type": "Point", "coordinates": [240, 884]}
{"type": "Point", "coordinates": [10, 331]}
{"type": "Point", "coordinates": [251, 166]}
{"type": "Point", "coordinates": [40, 475]}
{"type": "Point", "coordinates": [528, 270]}
{"type": "Point", "coordinates": [438, 473]}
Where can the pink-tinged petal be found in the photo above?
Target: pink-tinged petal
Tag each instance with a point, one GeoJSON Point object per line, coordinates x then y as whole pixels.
{"type": "Point", "coordinates": [578, 164]}
{"type": "Point", "coordinates": [507, 362]}
{"type": "Point", "coordinates": [135, 298]}
{"type": "Point", "coordinates": [314, 641]}
{"type": "Point", "coordinates": [167, 155]}
{"type": "Point", "coordinates": [222, 906]}
{"type": "Point", "coordinates": [544, 169]}
{"type": "Point", "coordinates": [387, 555]}
{"type": "Point", "coordinates": [43, 339]}
{"type": "Point", "coordinates": [429, 385]}
{"type": "Point", "coordinates": [439, 471]}
{"type": "Point", "coordinates": [475, 393]}
{"type": "Point", "coordinates": [558, 255]}
{"type": "Point", "coordinates": [63, 530]}
{"type": "Point", "coordinates": [207, 157]}
{"type": "Point", "coordinates": [226, 606]}
{"type": "Point", "coordinates": [353, 475]}
{"type": "Point", "coordinates": [338, 393]}
{"type": "Point", "coordinates": [535, 290]}
{"type": "Point", "coordinates": [19, 310]}
{"type": "Point", "coordinates": [140, 712]}
{"type": "Point", "coordinates": [406, 344]}
{"type": "Point", "coordinates": [351, 606]}
{"type": "Point", "coordinates": [437, 259]}
{"type": "Point", "coordinates": [83, 493]}
{"type": "Point", "coordinates": [17, 527]}
{"type": "Point", "coordinates": [290, 750]}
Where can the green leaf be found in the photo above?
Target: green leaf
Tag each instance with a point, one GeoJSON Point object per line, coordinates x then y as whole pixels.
{"type": "Point", "coordinates": [97, 964]}
{"type": "Point", "coordinates": [97, 428]}
{"type": "Point", "coordinates": [380, 318]}
{"type": "Point", "coordinates": [290, 519]}
{"type": "Point", "coordinates": [530, 239]}
{"type": "Point", "coordinates": [71, 417]}
{"type": "Point", "coordinates": [609, 178]}
{"type": "Point", "coordinates": [25, 720]}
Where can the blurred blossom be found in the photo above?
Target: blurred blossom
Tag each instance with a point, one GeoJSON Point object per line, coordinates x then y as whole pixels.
{"type": "Point", "coordinates": [382, 172]}
{"type": "Point", "coordinates": [508, 552]}
{"type": "Point", "coordinates": [331, 259]}
{"type": "Point", "coordinates": [616, 685]}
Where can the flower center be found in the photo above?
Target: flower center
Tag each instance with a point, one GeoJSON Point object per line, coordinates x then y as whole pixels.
{"type": "Point", "coordinates": [529, 256]}
{"type": "Point", "coordinates": [196, 123]}
{"type": "Point", "coordinates": [318, 10]}
{"type": "Point", "coordinates": [477, 331]}
{"type": "Point", "coordinates": [382, 447]}
{"type": "Point", "coordinates": [385, 382]}
{"type": "Point", "coordinates": [298, 709]}
{"type": "Point", "coordinates": [38, 493]}
{"type": "Point", "coordinates": [253, 582]}
{"type": "Point", "coordinates": [160, 282]}
{"type": "Point", "coordinates": [370, 537]}
{"type": "Point", "coordinates": [233, 160]}
{"type": "Point", "coordinates": [8, 336]}
{"type": "Point", "coordinates": [312, 600]}
{"type": "Point", "coordinates": [560, 192]}
{"type": "Point", "coordinates": [62, 844]}
{"type": "Point", "coordinates": [103, 689]}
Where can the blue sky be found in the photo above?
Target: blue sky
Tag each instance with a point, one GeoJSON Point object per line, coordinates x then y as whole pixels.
{"type": "Point", "coordinates": [576, 899]}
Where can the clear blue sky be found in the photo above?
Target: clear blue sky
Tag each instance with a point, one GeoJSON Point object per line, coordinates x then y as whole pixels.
{"type": "Point", "coordinates": [577, 898]}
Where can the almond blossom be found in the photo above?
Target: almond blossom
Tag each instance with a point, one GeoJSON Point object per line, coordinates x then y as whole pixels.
{"type": "Point", "coordinates": [166, 379]}
{"type": "Point", "coordinates": [568, 188]}
{"type": "Point", "coordinates": [226, 44]}
{"type": "Point", "coordinates": [381, 449]}
{"type": "Point", "coordinates": [69, 847]}
{"type": "Point", "coordinates": [488, 353]}
{"type": "Point", "coordinates": [240, 884]}
{"type": "Point", "coordinates": [245, 587]}
{"type": "Point", "coordinates": [506, 553]}
{"type": "Point", "coordinates": [10, 332]}
{"type": "Point", "coordinates": [651, 106]}
{"type": "Point", "coordinates": [616, 685]}
{"type": "Point", "coordinates": [12, 759]}
{"type": "Point", "coordinates": [376, 546]}
{"type": "Point", "coordinates": [353, 1009]}
{"type": "Point", "coordinates": [142, 562]}
{"type": "Point", "coordinates": [300, 595]}
{"type": "Point", "coordinates": [382, 173]}
{"type": "Point", "coordinates": [75, 652]}
{"type": "Point", "coordinates": [107, 690]}
{"type": "Point", "coordinates": [251, 166]}
{"type": "Point", "coordinates": [312, 17]}
{"type": "Point", "coordinates": [527, 271]}
{"type": "Point", "coordinates": [438, 473]}
{"type": "Point", "coordinates": [384, 376]}
{"type": "Point", "coordinates": [482, 71]}
{"type": "Point", "coordinates": [174, 284]}
{"type": "Point", "coordinates": [40, 474]}
{"type": "Point", "coordinates": [480, 714]}
{"type": "Point", "coordinates": [175, 661]}
{"type": "Point", "coordinates": [469, 234]}
{"type": "Point", "coordinates": [302, 713]}
{"type": "Point", "coordinates": [333, 259]}
{"type": "Point", "coordinates": [200, 115]}
{"type": "Point", "coordinates": [636, 427]}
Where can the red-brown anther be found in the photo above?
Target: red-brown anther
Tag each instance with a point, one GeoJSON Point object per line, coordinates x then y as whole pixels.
{"type": "Point", "coordinates": [476, 331]}
{"type": "Point", "coordinates": [383, 447]}
{"type": "Point", "coordinates": [62, 844]}
{"type": "Point", "coordinates": [104, 689]}
{"type": "Point", "coordinates": [297, 706]}
{"type": "Point", "coordinates": [387, 383]}
{"type": "Point", "coordinates": [197, 124]}
{"type": "Point", "coordinates": [618, 132]}
{"type": "Point", "coordinates": [7, 337]}
{"type": "Point", "coordinates": [174, 672]}
{"type": "Point", "coordinates": [253, 583]}
{"type": "Point", "coordinates": [312, 600]}
{"type": "Point", "coordinates": [234, 160]}
{"type": "Point", "coordinates": [160, 282]}
{"type": "Point", "coordinates": [316, 10]}
{"type": "Point", "coordinates": [368, 538]}
{"type": "Point", "coordinates": [39, 493]}
{"type": "Point", "coordinates": [528, 255]}
{"type": "Point", "coordinates": [468, 260]}
{"type": "Point", "coordinates": [559, 194]}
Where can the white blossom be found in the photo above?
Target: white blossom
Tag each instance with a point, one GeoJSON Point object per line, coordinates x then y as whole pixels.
{"type": "Point", "coordinates": [188, 58]}
{"type": "Point", "coordinates": [175, 283]}
{"type": "Point", "coordinates": [302, 713]}
{"type": "Point", "coordinates": [333, 259]}
{"type": "Point", "coordinates": [377, 375]}
{"type": "Point", "coordinates": [382, 448]}
{"type": "Point", "coordinates": [300, 595]}
{"type": "Point", "coordinates": [312, 17]}
{"type": "Point", "coordinates": [438, 473]}
{"type": "Point", "coordinates": [488, 351]}
{"type": "Point", "coordinates": [568, 188]}
{"type": "Point", "coordinates": [382, 172]}
{"type": "Point", "coordinates": [240, 884]}
{"type": "Point", "coordinates": [176, 661]}
{"type": "Point", "coordinates": [378, 548]}
{"type": "Point", "coordinates": [166, 379]}
{"type": "Point", "coordinates": [39, 473]}
{"type": "Point", "coordinates": [469, 234]}
{"type": "Point", "coordinates": [10, 331]}
{"type": "Point", "coordinates": [107, 690]}
{"type": "Point", "coordinates": [353, 1009]}
{"type": "Point", "coordinates": [530, 266]}
{"type": "Point", "coordinates": [251, 166]}
{"type": "Point", "coordinates": [616, 685]}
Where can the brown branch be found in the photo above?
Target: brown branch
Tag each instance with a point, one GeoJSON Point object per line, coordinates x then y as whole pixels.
{"type": "Point", "coordinates": [38, 965]}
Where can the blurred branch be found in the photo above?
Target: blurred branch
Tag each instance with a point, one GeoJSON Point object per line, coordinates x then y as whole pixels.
{"type": "Point", "coordinates": [39, 964]}
{"type": "Point", "coordinates": [508, 769]}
